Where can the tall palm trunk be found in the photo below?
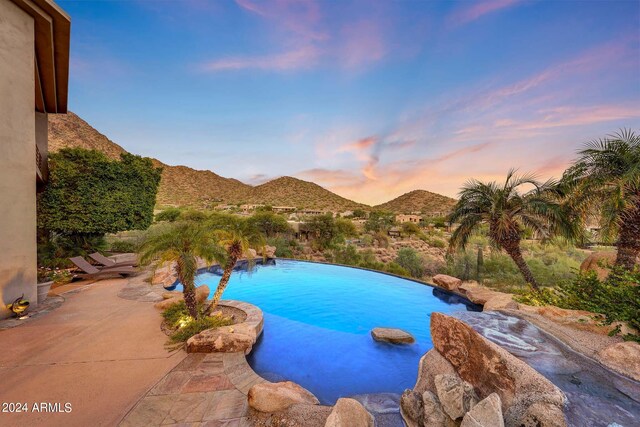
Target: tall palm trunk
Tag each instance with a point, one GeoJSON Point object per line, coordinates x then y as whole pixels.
{"type": "Point", "coordinates": [629, 237]}
{"type": "Point", "coordinates": [188, 287]}
{"type": "Point", "coordinates": [234, 251]}
{"type": "Point", "coordinates": [513, 249]}
{"type": "Point", "coordinates": [190, 299]}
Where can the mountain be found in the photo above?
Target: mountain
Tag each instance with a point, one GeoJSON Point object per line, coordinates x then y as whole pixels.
{"type": "Point", "coordinates": [422, 201]}
{"type": "Point", "coordinates": [179, 186]}
{"type": "Point", "coordinates": [288, 191]}
{"type": "Point", "coordinates": [184, 186]}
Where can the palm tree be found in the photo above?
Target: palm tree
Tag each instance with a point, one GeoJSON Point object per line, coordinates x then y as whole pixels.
{"type": "Point", "coordinates": [606, 178]}
{"type": "Point", "coordinates": [508, 212]}
{"type": "Point", "coordinates": [183, 243]}
{"type": "Point", "coordinates": [236, 236]}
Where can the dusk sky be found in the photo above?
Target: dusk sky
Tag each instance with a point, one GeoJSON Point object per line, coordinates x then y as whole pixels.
{"type": "Point", "coordinates": [368, 99]}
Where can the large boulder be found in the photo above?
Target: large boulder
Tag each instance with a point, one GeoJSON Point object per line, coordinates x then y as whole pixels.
{"type": "Point", "coordinates": [476, 293]}
{"type": "Point", "coordinates": [275, 397]}
{"type": "Point", "coordinates": [624, 357]}
{"type": "Point", "coordinates": [500, 302]}
{"type": "Point", "coordinates": [221, 340]}
{"type": "Point", "coordinates": [489, 368]}
{"type": "Point", "coordinates": [433, 412]}
{"type": "Point", "coordinates": [202, 293]}
{"type": "Point", "coordinates": [541, 414]}
{"type": "Point", "coordinates": [487, 413]}
{"type": "Point", "coordinates": [392, 335]}
{"type": "Point", "coordinates": [267, 251]}
{"type": "Point", "coordinates": [456, 396]}
{"type": "Point", "coordinates": [599, 262]}
{"type": "Point", "coordinates": [431, 364]}
{"type": "Point", "coordinates": [450, 283]}
{"type": "Point", "coordinates": [412, 408]}
{"type": "Point", "coordinates": [349, 413]}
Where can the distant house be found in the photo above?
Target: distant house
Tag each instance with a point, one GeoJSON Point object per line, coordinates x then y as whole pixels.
{"type": "Point", "coordinates": [311, 212]}
{"type": "Point", "coordinates": [283, 209]}
{"type": "Point", "coordinates": [402, 218]}
{"type": "Point", "coordinates": [34, 77]}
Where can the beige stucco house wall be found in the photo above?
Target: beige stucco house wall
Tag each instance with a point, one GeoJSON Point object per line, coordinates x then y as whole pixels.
{"type": "Point", "coordinates": [34, 64]}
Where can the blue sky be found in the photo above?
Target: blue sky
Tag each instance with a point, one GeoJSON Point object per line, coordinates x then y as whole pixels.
{"type": "Point", "coordinates": [369, 99]}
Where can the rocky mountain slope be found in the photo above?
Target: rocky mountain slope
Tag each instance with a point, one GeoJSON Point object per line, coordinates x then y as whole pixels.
{"type": "Point", "coordinates": [422, 201]}
{"type": "Point", "coordinates": [184, 186]}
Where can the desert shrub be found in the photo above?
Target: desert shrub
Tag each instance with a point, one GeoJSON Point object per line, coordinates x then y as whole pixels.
{"type": "Point", "coordinates": [617, 297]}
{"type": "Point", "coordinates": [347, 255]}
{"type": "Point", "coordinates": [381, 239]}
{"type": "Point", "coordinates": [193, 215]}
{"type": "Point", "coordinates": [409, 229]}
{"type": "Point", "coordinates": [379, 221]}
{"type": "Point", "coordinates": [550, 263]}
{"type": "Point", "coordinates": [433, 265]}
{"type": "Point", "coordinates": [285, 248]}
{"type": "Point", "coordinates": [184, 326]}
{"type": "Point", "coordinates": [367, 240]}
{"type": "Point", "coordinates": [346, 228]}
{"type": "Point", "coordinates": [123, 246]}
{"type": "Point", "coordinates": [411, 261]}
{"type": "Point", "coordinates": [436, 242]}
{"type": "Point", "coordinates": [169, 215]}
{"type": "Point", "coordinates": [369, 261]}
{"type": "Point", "coordinates": [395, 268]}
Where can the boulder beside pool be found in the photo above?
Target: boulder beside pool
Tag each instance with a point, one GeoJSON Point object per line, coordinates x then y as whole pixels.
{"type": "Point", "coordinates": [392, 335]}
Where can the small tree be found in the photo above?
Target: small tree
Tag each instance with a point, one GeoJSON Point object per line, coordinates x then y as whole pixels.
{"type": "Point", "coordinates": [410, 260]}
{"type": "Point", "coordinates": [346, 228]}
{"type": "Point", "coordinates": [379, 221]}
{"type": "Point", "coordinates": [507, 211]}
{"type": "Point", "coordinates": [323, 229]}
{"type": "Point", "coordinates": [183, 243]}
{"type": "Point", "coordinates": [269, 223]}
{"type": "Point", "coordinates": [606, 179]}
{"type": "Point", "coordinates": [236, 236]}
{"type": "Point", "coordinates": [168, 215]}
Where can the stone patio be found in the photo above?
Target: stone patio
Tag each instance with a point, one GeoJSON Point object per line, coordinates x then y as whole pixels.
{"type": "Point", "coordinates": [203, 390]}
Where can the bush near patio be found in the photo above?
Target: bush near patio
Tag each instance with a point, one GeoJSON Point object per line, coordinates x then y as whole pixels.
{"type": "Point", "coordinates": [183, 326]}
{"type": "Point", "coordinates": [89, 195]}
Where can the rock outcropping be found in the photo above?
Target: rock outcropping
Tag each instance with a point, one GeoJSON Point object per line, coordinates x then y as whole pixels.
{"type": "Point", "coordinates": [463, 370]}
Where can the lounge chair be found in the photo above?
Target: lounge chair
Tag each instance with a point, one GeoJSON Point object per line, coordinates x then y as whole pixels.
{"type": "Point", "coordinates": [92, 272]}
{"type": "Point", "coordinates": [108, 262]}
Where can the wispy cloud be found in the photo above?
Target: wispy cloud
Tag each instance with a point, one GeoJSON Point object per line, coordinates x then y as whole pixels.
{"type": "Point", "coordinates": [305, 37]}
{"type": "Point", "coordinates": [472, 11]}
{"type": "Point", "coordinates": [304, 57]}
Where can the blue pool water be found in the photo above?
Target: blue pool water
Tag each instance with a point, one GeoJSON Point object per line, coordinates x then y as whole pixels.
{"type": "Point", "coordinates": [317, 323]}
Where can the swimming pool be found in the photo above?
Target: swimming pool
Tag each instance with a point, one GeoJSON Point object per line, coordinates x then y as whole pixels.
{"type": "Point", "coordinates": [317, 323]}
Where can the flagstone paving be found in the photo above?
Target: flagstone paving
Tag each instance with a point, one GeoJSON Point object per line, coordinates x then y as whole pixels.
{"type": "Point", "coordinates": [203, 390]}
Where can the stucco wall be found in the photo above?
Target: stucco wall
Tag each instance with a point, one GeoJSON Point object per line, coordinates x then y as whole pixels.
{"type": "Point", "coordinates": [17, 157]}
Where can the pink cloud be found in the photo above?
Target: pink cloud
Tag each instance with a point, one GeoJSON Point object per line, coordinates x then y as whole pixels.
{"type": "Point", "coordinates": [304, 57]}
{"type": "Point", "coordinates": [475, 10]}
{"type": "Point", "coordinates": [306, 38]}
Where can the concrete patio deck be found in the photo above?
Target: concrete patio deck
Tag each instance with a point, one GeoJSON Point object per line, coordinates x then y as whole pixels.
{"type": "Point", "coordinates": [97, 352]}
